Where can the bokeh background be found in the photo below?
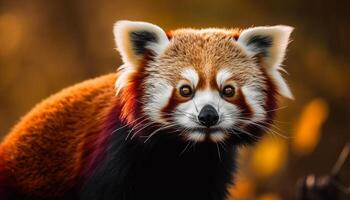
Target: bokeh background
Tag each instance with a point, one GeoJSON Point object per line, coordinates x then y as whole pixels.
{"type": "Point", "coordinates": [48, 45]}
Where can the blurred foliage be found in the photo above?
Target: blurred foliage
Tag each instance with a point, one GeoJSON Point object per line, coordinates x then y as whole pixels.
{"type": "Point", "coordinates": [48, 45]}
{"type": "Point", "coordinates": [269, 196]}
{"type": "Point", "coordinates": [307, 133]}
{"type": "Point", "coordinates": [268, 157]}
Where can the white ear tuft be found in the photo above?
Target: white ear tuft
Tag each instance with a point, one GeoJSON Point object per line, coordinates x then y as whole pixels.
{"type": "Point", "coordinates": [269, 41]}
{"type": "Point", "coordinates": [135, 39]}
{"type": "Point", "coordinates": [282, 87]}
{"type": "Point", "coordinates": [270, 44]}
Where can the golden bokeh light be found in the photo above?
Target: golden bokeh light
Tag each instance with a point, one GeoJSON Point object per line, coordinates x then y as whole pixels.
{"type": "Point", "coordinates": [269, 196]}
{"type": "Point", "coordinates": [243, 189]}
{"type": "Point", "coordinates": [308, 129]}
{"type": "Point", "coordinates": [269, 156]}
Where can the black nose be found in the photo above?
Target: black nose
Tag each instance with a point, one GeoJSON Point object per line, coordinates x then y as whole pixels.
{"type": "Point", "coordinates": [208, 116]}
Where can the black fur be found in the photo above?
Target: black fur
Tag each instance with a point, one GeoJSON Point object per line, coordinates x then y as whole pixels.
{"type": "Point", "coordinates": [261, 44]}
{"type": "Point", "coordinates": [159, 169]}
{"type": "Point", "coordinates": [139, 40]}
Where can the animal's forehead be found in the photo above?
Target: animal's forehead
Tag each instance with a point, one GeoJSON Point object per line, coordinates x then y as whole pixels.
{"type": "Point", "coordinates": [207, 41]}
{"type": "Point", "coordinates": [206, 51]}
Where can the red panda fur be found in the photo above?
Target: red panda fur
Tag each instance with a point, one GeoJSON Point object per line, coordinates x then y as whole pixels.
{"type": "Point", "coordinates": [43, 154]}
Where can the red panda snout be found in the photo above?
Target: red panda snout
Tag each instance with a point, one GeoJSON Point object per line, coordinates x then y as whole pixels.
{"type": "Point", "coordinates": [208, 116]}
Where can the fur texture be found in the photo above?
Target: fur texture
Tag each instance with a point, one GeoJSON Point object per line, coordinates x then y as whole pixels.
{"type": "Point", "coordinates": [143, 139]}
{"type": "Point", "coordinates": [43, 154]}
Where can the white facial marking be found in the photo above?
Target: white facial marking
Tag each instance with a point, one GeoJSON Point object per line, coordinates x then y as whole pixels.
{"type": "Point", "coordinates": [188, 113]}
{"type": "Point", "coordinates": [191, 75]}
{"type": "Point", "coordinates": [206, 97]}
{"type": "Point", "coordinates": [222, 76]}
{"type": "Point", "coordinates": [196, 136]}
{"type": "Point", "coordinates": [158, 95]}
{"type": "Point", "coordinates": [194, 106]}
{"type": "Point", "coordinates": [218, 136]}
{"type": "Point", "coordinates": [256, 101]}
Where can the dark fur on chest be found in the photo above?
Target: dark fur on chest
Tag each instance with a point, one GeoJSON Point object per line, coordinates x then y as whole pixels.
{"type": "Point", "coordinates": [161, 169]}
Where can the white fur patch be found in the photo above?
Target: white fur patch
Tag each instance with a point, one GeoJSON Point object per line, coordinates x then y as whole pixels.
{"type": "Point", "coordinates": [190, 75]}
{"type": "Point", "coordinates": [256, 101]}
{"type": "Point", "coordinates": [218, 136]}
{"type": "Point", "coordinates": [274, 54]}
{"type": "Point", "coordinates": [282, 86]}
{"type": "Point", "coordinates": [158, 94]}
{"type": "Point", "coordinates": [280, 38]}
{"type": "Point", "coordinates": [222, 76]}
{"type": "Point", "coordinates": [206, 97]}
{"type": "Point", "coordinates": [122, 30]}
{"type": "Point", "coordinates": [123, 77]}
{"type": "Point", "coordinates": [195, 136]}
{"type": "Point", "coordinates": [188, 111]}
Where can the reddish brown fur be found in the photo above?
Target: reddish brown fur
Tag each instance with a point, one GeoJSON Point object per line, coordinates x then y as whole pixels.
{"type": "Point", "coordinates": [206, 51]}
{"type": "Point", "coordinates": [129, 93]}
{"type": "Point", "coordinates": [130, 108]}
{"type": "Point", "coordinates": [44, 151]}
{"type": "Point", "coordinates": [241, 102]}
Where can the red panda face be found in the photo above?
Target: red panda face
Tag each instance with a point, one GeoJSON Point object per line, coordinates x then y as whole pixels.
{"type": "Point", "coordinates": [207, 85]}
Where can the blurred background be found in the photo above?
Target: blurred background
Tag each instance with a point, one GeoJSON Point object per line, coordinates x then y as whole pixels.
{"type": "Point", "coordinates": [48, 45]}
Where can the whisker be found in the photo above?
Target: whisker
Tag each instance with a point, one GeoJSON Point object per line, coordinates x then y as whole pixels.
{"type": "Point", "coordinates": [223, 145]}
{"type": "Point", "coordinates": [246, 132]}
{"type": "Point", "coordinates": [186, 113]}
{"type": "Point", "coordinates": [265, 127]}
{"type": "Point", "coordinates": [146, 125]}
{"type": "Point", "coordinates": [187, 145]}
{"type": "Point", "coordinates": [248, 118]}
{"type": "Point", "coordinates": [195, 105]}
{"type": "Point", "coordinates": [126, 125]}
{"type": "Point", "coordinates": [218, 105]}
{"type": "Point", "coordinates": [159, 129]}
{"type": "Point", "coordinates": [218, 149]}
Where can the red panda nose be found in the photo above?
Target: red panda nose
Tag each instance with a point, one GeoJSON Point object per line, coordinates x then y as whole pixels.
{"type": "Point", "coordinates": [208, 116]}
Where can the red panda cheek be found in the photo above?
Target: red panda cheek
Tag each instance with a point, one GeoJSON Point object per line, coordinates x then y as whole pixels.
{"type": "Point", "coordinates": [240, 101]}
{"type": "Point", "coordinates": [171, 105]}
{"type": "Point", "coordinates": [173, 102]}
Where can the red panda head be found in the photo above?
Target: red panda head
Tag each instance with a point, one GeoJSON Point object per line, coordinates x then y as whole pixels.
{"type": "Point", "coordinates": [207, 84]}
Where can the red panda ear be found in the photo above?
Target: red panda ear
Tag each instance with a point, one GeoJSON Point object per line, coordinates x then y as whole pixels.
{"type": "Point", "coordinates": [270, 44]}
{"type": "Point", "coordinates": [135, 39]}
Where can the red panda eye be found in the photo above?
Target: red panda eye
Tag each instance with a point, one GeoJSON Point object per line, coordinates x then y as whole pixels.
{"type": "Point", "coordinates": [186, 91]}
{"type": "Point", "coordinates": [228, 91]}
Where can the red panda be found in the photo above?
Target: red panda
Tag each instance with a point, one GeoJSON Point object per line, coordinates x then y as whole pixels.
{"type": "Point", "coordinates": [165, 126]}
